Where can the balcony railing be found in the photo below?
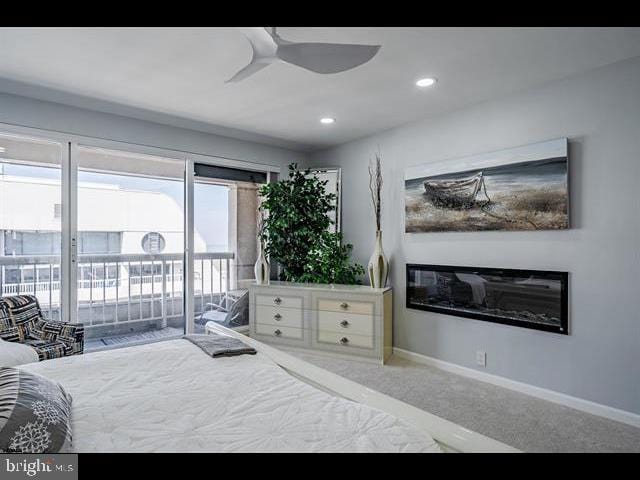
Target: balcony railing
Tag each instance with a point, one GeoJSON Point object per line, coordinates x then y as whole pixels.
{"type": "Point", "coordinates": [120, 290]}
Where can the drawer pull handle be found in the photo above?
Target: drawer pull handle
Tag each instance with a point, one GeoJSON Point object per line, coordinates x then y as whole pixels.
{"type": "Point", "coordinates": [277, 317]}
{"type": "Point", "coordinates": [278, 333]}
{"type": "Point", "coordinates": [344, 305]}
{"type": "Point", "coordinates": [344, 324]}
{"type": "Point", "coordinates": [344, 340]}
{"type": "Point", "coordinates": [277, 301]}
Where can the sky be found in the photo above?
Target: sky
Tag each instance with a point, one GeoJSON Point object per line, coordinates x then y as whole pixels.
{"type": "Point", "coordinates": [211, 201]}
{"type": "Point", "coordinates": [526, 153]}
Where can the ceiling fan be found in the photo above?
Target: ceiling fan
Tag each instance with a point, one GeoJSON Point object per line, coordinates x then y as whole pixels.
{"type": "Point", "coordinates": [269, 47]}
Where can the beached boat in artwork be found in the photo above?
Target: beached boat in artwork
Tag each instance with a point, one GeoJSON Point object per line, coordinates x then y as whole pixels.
{"type": "Point", "coordinates": [462, 193]}
{"type": "Point", "coordinates": [522, 188]}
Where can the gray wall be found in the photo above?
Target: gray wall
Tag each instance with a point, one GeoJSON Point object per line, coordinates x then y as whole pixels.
{"type": "Point", "coordinates": [599, 112]}
{"type": "Point", "coordinates": [29, 112]}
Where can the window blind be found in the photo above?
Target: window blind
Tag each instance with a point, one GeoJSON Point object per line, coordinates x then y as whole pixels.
{"type": "Point", "coordinates": [227, 173]}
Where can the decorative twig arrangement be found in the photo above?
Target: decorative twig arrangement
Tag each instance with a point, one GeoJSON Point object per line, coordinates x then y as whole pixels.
{"type": "Point", "coordinates": [375, 186]}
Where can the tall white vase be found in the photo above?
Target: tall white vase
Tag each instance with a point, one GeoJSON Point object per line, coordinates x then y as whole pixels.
{"type": "Point", "coordinates": [378, 266]}
{"type": "Point", "coordinates": [261, 268]}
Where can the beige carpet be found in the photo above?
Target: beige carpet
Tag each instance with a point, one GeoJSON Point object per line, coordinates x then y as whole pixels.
{"type": "Point", "coordinates": [525, 422]}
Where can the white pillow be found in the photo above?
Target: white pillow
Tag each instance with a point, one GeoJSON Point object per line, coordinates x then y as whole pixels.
{"type": "Point", "coordinates": [13, 353]}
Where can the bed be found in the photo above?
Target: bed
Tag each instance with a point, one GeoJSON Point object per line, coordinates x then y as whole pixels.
{"type": "Point", "coordinates": [171, 397]}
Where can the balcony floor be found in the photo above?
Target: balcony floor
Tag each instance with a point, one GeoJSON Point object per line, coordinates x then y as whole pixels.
{"type": "Point", "coordinates": [130, 339]}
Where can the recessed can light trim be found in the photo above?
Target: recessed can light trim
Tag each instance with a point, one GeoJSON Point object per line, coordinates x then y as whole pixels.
{"type": "Point", "coordinates": [425, 82]}
{"type": "Point", "coordinates": [327, 120]}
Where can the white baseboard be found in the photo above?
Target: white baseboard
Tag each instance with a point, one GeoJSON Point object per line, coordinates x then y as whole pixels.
{"type": "Point", "coordinates": [552, 396]}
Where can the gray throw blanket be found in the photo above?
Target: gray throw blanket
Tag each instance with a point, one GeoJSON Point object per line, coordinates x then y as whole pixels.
{"type": "Point", "coordinates": [216, 345]}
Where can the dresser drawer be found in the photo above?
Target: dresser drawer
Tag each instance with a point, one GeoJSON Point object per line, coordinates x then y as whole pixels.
{"type": "Point", "coordinates": [347, 323]}
{"type": "Point", "coordinates": [279, 301]}
{"type": "Point", "coordinates": [286, 317]}
{"type": "Point", "coordinates": [345, 339]}
{"type": "Point", "coordinates": [346, 306]}
{"type": "Point", "coordinates": [278, 331]}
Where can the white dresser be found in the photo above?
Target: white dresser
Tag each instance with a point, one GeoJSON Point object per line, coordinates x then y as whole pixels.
{"type": "Point", "coordinates": [344, 319]}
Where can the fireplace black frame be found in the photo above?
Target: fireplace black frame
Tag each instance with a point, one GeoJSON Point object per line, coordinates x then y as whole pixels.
{"type": "Point", "coordinates": [564, 296]}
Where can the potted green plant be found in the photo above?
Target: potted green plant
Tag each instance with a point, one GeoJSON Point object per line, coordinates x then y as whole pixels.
{"type": "Point", "coordinates": [295, 231]}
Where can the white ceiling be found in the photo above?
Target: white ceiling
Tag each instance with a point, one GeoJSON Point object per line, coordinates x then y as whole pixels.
{"type": "Point", "coordinates": [181, 72]}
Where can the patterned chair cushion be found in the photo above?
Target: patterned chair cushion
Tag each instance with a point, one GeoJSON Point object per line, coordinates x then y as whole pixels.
{"type": "Point", "coordinates": [21, 321]}
{"type": "Point", "coordinates": [72, 334]}
{"type": "Point", "coordinates": [50, 330]}
{"type": "Point", "coordinates": [48, 349]}
{"type": "Point", "coordinates": [24, 311]}
{"type": "Point", "coordinates": [8, 331]}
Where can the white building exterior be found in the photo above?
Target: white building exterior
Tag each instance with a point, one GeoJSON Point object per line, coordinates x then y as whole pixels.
{"type": "Point", "coordinates": [33, 205]}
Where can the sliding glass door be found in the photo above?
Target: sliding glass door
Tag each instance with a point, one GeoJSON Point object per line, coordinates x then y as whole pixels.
{"type": "Point", "coordinates": [129, 245]}
{"type": "Point", "coordinates": [137, 243]}
{"type": "Point", "coordinates": [212, 255]}
{"type": "Point", "coordinates": [225, 205]}
{"type": "Point", "coordinates": [31, 213]}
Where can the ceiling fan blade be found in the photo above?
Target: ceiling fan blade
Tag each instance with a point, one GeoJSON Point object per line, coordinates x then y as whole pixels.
{"type": "Point", "coordinates": [263, 48]}
{"type": "Point", "coordinates": [247, 71]}
{"type": "Point", "coordinates": [262, 43]}
{"type": "Point", "coordinates": [326, 57]}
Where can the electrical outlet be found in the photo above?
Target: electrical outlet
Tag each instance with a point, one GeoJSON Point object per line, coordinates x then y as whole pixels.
{"type": "Point", "coordinates": [481, 358]}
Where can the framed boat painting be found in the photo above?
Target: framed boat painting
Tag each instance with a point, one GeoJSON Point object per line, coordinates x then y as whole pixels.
{"type": "Point", "coordinates": [522, 188]}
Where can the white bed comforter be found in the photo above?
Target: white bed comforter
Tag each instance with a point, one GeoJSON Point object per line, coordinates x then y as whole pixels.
{"type": "Point", "coordinates": [172, 397]}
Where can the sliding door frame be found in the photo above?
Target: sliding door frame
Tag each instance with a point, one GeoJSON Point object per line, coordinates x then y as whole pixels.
{"type": "Point", "coordinates": [70, 235]}
{"type": "Point", "coordinates": [188, 275]}
{"type": "Point", "coordinates": [69, 197]}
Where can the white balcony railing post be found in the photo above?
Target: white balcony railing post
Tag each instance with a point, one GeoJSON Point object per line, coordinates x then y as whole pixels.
{"type": "Point", "coordinates": [50, 289]}
{"type": "Point", "coordinates": [90, 292]}
{"type": "Point", "coordinates": [105, 279]}
{"type": "Point", "coordinates": [164, 293]}
{"type": "Point", "coordinates": [140, 291]}
{"type": "Point", "coordinates": [117, 319]}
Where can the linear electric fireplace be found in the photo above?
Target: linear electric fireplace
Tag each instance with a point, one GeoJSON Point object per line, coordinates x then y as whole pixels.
{"type": "Point", "coordinates": [525, 298]}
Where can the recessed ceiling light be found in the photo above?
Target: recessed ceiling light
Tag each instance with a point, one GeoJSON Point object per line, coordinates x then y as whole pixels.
{"type": "Point", "coordinates": [327, 120]}
{"type": "Point", "coordinates": [2, 149]}
{"type": "Point", "coordinates": [425, 82]}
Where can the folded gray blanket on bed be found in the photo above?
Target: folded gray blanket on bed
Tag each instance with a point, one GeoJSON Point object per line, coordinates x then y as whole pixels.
{"type": "Point", "coordinates": [216, 345]}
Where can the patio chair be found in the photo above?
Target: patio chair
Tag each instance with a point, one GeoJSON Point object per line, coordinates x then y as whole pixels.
{"type": "Point", "coordinates": [231, 311]}
{"type": "Point", "coordinates": [21, 321]}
